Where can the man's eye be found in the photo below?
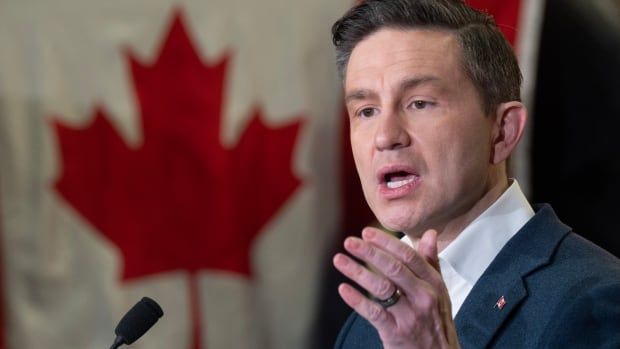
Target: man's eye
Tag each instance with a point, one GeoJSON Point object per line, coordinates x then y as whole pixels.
{"type": "Point", "coordinates": [420, 104]}
{"type": "Point", "coordinates": [367, 112]}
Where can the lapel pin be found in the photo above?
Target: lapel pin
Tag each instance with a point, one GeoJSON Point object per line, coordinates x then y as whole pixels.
{"type": "Point", "coordinates": [501, 302]}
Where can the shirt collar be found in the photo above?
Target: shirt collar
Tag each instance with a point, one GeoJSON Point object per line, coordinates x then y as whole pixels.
{"type": "Point", "coordinates": [477, 245]}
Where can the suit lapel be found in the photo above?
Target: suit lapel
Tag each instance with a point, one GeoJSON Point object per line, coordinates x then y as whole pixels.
{"type": "Point", "coordinates": [501, 289]}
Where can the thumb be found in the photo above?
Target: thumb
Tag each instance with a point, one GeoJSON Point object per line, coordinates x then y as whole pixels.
{"type": "Point", "coordinates": [427, 247]}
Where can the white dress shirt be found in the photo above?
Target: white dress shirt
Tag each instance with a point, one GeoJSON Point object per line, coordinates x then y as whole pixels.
{"type": "Point", "coordinates": [466, 258]}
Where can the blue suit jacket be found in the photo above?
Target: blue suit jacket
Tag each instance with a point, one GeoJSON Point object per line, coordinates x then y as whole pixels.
{"type": "Point", "coordinates": [561, 291]}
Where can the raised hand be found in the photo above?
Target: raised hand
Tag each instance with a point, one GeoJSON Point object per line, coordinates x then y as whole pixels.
{"type": "Point", "coordinates": [421, 316]}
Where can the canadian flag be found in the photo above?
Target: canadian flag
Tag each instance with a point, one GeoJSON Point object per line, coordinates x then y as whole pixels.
{"type": "Point", "coordinates": [188, 151]}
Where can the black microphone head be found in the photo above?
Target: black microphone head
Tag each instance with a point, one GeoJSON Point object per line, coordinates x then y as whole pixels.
{"type": "Point", "coordinates": [138, 320]}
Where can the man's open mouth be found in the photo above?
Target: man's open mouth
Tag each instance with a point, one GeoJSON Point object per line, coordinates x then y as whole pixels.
{"type": "Point", "coordinates": [395, 177]}
{"type": "Point", "coordinates": [398, 179]}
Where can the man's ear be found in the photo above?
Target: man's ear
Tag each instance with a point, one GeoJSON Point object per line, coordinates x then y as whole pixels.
{"type": "Point", "coordinates": [510, 119]}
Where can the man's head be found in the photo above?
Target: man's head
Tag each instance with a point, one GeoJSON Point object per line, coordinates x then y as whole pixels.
{"type": "Point", "coordinates": [430, 131]}
{"type": "Point", "coordinates": [487, 57]}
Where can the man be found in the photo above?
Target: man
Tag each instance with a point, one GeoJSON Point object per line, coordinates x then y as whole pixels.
{"type": "Point", "coordinates": [432, 92]}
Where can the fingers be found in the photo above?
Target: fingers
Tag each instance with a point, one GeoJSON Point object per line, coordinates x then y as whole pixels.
{"type": "Point", "coordinates": [371, 311]}
{"type": "Point", "coordinates": [376, 284]}
{"type": "Point", "coordinates": [390, 270]}
{"type": "Point", "coordinates": [424, 263]}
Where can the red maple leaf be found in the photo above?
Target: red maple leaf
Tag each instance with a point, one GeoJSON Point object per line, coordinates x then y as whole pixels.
{"type": "Point", "coordinates": [180, 200]}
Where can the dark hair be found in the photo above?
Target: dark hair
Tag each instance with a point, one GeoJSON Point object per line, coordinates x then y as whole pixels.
{"type": "Point", "coordinates": [487, 57]}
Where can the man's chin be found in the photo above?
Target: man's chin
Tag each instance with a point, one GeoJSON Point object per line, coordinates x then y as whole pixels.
{"type": "Point", "coordinates": [399, 224]}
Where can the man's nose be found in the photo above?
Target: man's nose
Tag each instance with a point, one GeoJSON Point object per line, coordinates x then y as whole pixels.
{"type": "Point", "coordinates": [391, 133]}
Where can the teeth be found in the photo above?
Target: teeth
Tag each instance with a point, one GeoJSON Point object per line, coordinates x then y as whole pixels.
{"type": "Point", "coordinates": [398, 184]}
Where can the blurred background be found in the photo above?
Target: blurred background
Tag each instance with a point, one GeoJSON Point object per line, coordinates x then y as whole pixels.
{"type": "Point", "coordinates": [196, 152]}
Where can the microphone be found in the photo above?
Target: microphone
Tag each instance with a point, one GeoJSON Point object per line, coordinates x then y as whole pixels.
{"type": "Point", "coordinates": [139, 319]}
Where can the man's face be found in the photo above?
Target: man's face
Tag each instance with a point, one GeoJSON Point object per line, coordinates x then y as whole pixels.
{"type": "Point", "coordinates": [420, 139]}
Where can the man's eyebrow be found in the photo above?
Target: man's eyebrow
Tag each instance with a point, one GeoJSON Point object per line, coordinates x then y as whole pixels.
{"type": "Point", "coordinates": [359, 94]}
{"type": "Point", "coordinates": [406, 84]}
